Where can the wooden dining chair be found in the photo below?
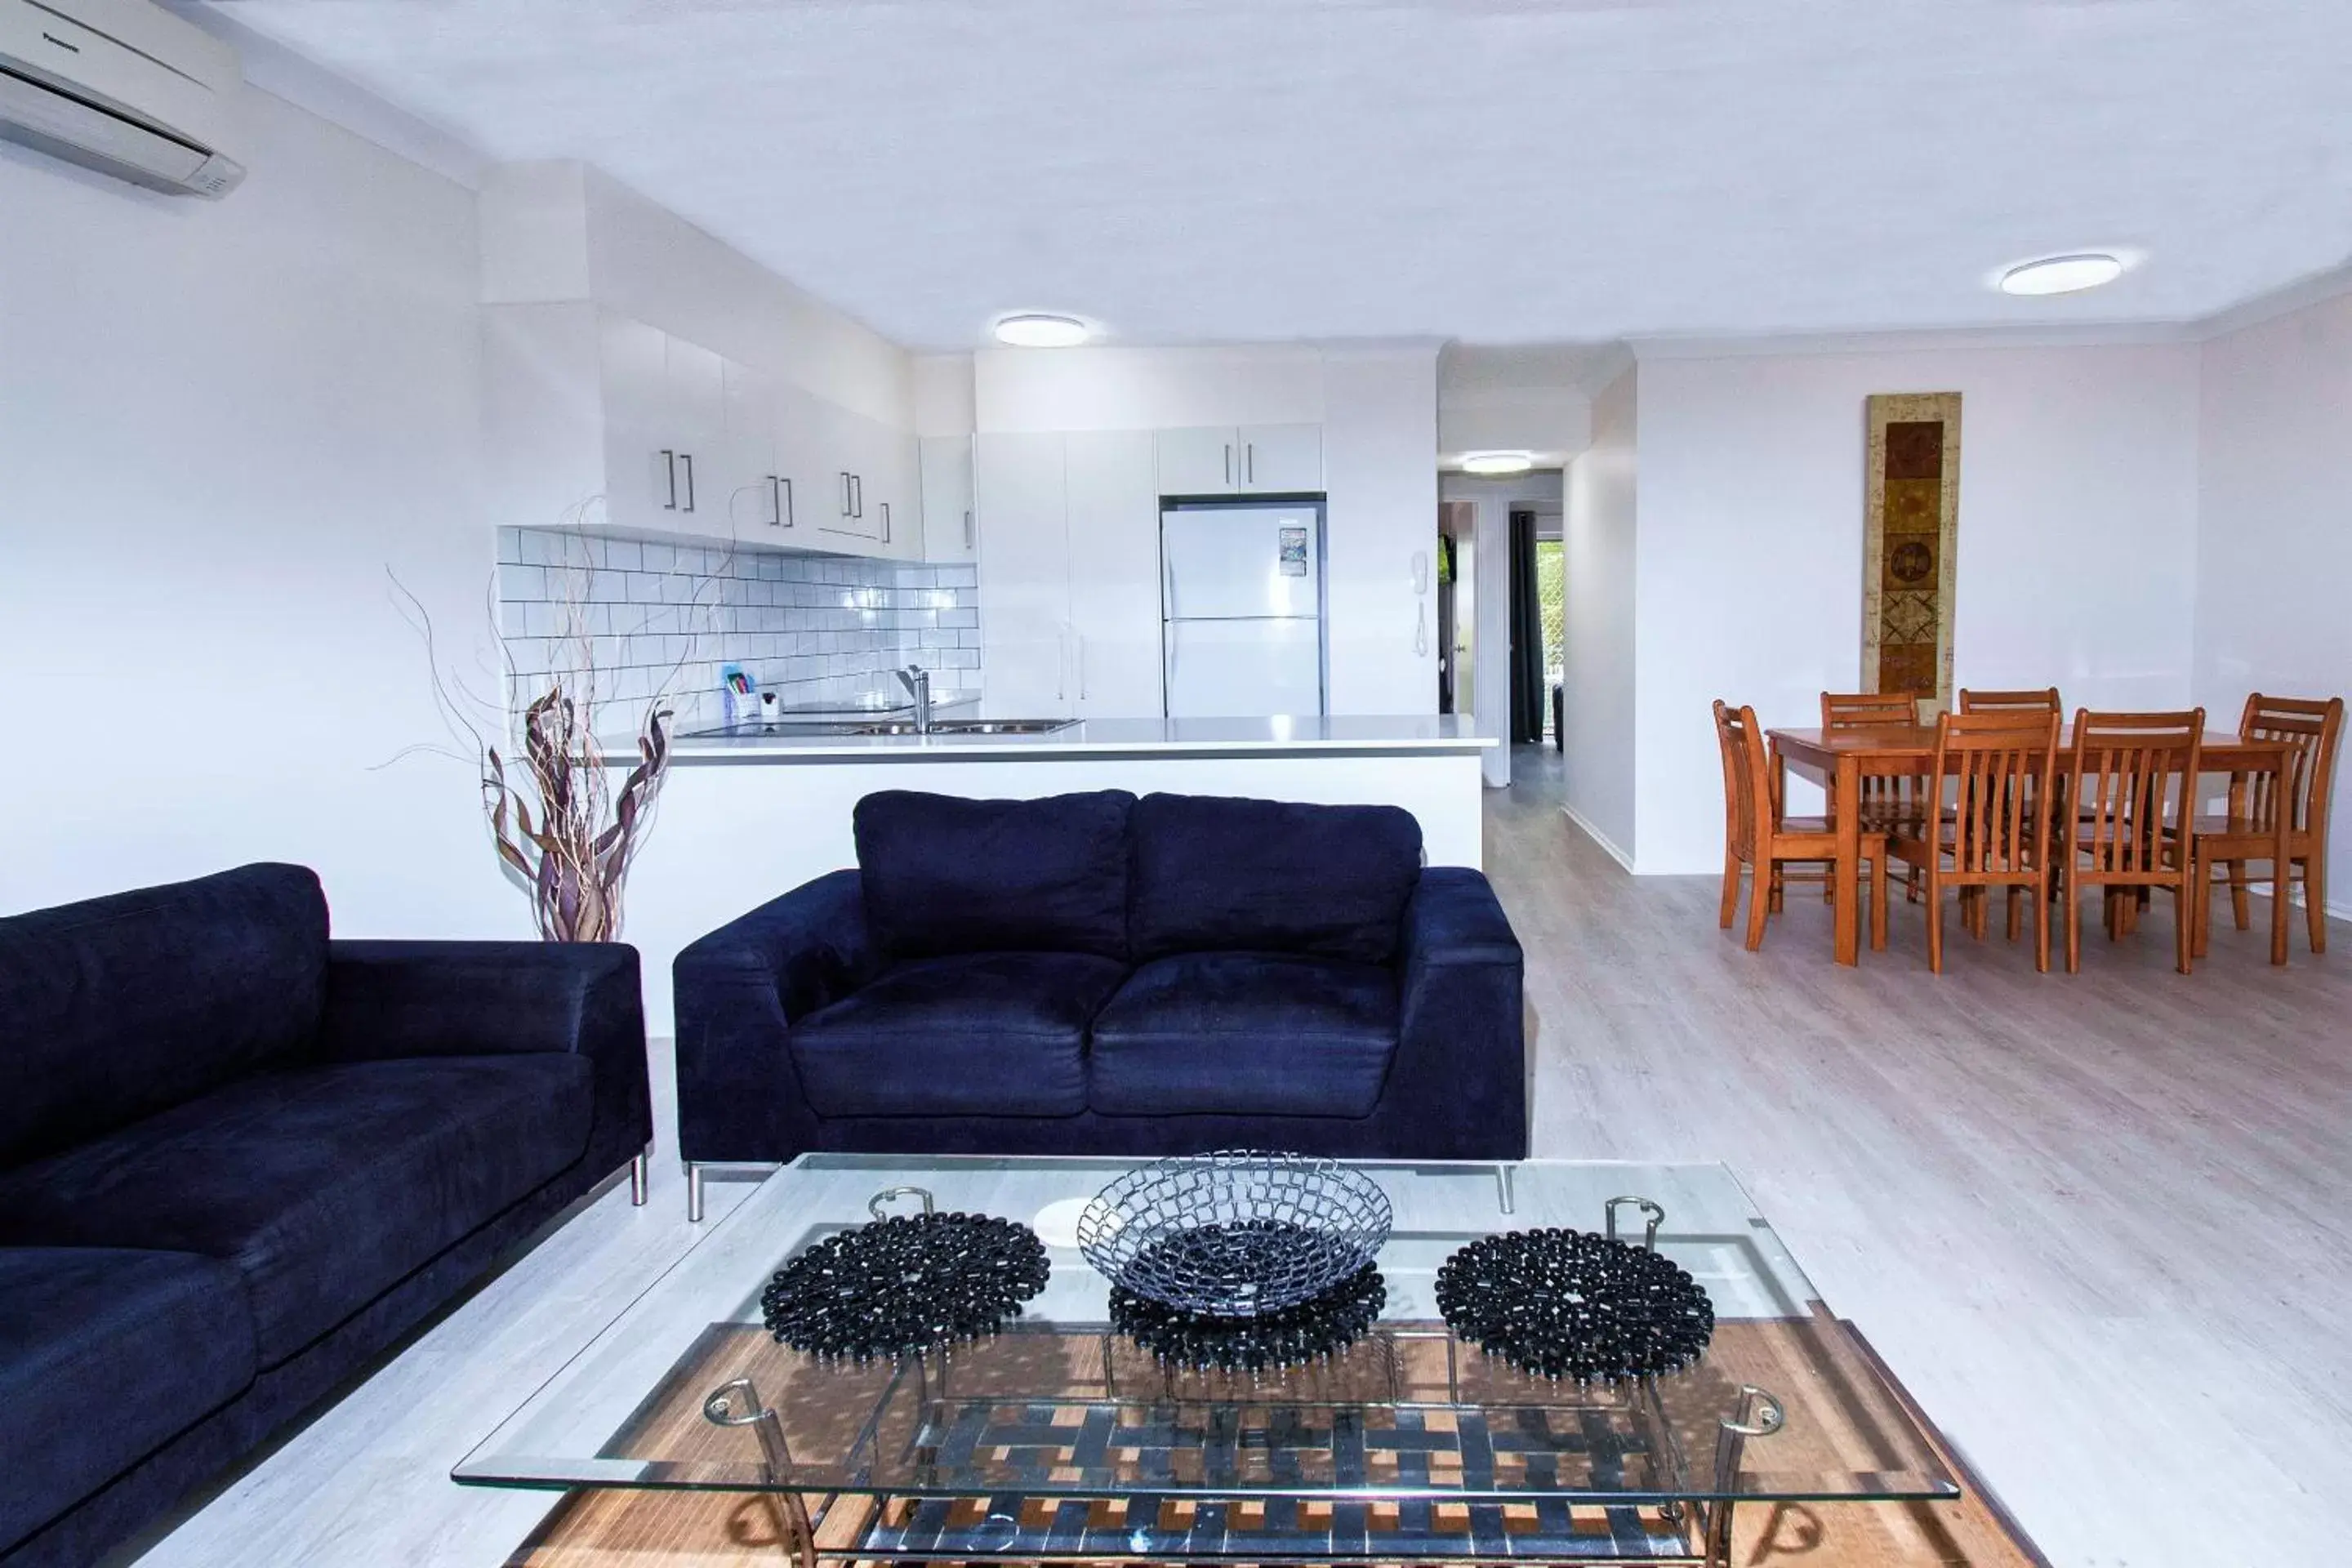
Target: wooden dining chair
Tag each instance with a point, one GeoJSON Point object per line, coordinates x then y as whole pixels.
{"type": "Point", "coordinates": [1889, 803]}
{"type": "Point", "coordinates": [2132, 780]}
{"type": "Point", "coordinates": [1994, 836]}
{"type": "Point", "coordinates": [1757, 836]}
{"type": "Point", "coordinates": [2043, 701]}
{"type": "Point", "coordinates": [2248, 829]}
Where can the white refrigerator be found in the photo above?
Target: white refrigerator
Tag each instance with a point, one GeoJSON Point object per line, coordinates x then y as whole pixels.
{"type": "Point", "coordinates": [1240, 604]}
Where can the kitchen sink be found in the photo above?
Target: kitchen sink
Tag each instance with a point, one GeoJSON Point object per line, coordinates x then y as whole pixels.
{"type": "Point", "coordinates": [999, 726]}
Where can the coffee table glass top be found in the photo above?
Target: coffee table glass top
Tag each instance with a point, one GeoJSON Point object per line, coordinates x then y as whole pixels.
{"type": "Point", "coordinates": [1058, 1405]}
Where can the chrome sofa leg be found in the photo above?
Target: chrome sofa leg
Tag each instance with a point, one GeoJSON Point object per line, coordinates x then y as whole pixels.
{"type": "Point", "coordinates": [639, 1173]}
{"type": "Point", "coordinates": [693, 1193]}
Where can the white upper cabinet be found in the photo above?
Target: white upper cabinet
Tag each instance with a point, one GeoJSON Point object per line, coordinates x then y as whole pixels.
{"type": "Point", "coordinates": [1020, 482]}
{"type": "Point", "coordinates": [1199, 461]}
{"type": "Point", "coordinates": [950, 526]}
{"type": "Point", "coordinates": [583, 403]}
{"type": "Point", "coordinates": [1281, 459]}
{"type": "Point", "coordinates": [1247, 460]}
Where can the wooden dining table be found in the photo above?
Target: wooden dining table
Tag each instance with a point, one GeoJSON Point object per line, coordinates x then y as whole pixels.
{"type": "Point", "coordinates": [1845, 758]}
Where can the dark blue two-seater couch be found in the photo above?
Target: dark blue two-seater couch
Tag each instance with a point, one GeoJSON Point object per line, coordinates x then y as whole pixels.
{"type": "Point", "coordinates": [1096, 974]}
{"type": "Point", "coordinates": [238, 1160]}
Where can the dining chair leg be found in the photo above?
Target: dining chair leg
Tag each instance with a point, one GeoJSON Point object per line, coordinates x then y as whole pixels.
{"type": "Point", "coordinates": [1779, 889]}
{"type": "Point", "coordinates": [2238, 909]}
{"type": "Point", "coordinates": [1731, 864]}
{"type": "Point", "coordinates": [2202, 938]}
{"type": "Point", "coordinates": [2180, 933]}
{"type": "Point", "coordinates": [2040, 929]}
{"type": "Point", "coordinates": [1878, 902]}
{"type": "Point", "coordinates": [2315, 903]}
{"type": "Point", "coordinates": [2016, 912]}
{"type": "Point", "coordinates": [1760, 900]}
{"type": "Point", "coordinates": [1935, 929]}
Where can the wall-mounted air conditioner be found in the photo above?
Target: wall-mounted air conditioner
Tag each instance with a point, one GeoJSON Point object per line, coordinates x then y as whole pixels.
{"type": "Point", "coordinates": [123, 86]}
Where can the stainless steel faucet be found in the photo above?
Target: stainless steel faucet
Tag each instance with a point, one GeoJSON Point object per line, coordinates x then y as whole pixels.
{"type": "Point", "coordinates": [918, 681]}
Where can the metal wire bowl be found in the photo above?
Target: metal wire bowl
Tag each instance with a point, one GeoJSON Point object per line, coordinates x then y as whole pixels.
{"type": "Point", "coordinates": [1237, 1234]}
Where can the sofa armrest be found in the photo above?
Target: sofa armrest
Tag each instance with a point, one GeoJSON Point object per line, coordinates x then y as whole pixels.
{"type": "Point", "coordinates": [1462, 1046]}
{"type": "Point", "coordinates": [736, 993]}
{"type": "Point", "coordinates": [387, 1000]}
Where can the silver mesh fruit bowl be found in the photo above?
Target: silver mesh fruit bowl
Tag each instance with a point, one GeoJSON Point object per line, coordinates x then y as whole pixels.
{"type": "Point", "coordinates": [1237, 1234]}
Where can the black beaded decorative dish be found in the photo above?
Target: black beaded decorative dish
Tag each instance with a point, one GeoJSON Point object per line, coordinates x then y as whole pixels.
{"type": "Point", "coordinates": [1237, 1234]}
{"type": "Point", "coordinates": [1571, 1304]}
{"type": "Point", "coordinates": [1304, 1331]}
{"type": "Point", "coordinates": [905, 1285]}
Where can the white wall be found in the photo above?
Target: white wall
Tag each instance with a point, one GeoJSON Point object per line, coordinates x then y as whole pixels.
{"type": "Point", "coordinates": [1378, 407]}
{"type": "Point", "coordinates": [2274, 557]}
{"type": "Point", "coordinates": [2077, 543]}
{"type": "Point", "coordinates": [221, 424]}
{"type": "Point", "coordinates": [1598, 558]}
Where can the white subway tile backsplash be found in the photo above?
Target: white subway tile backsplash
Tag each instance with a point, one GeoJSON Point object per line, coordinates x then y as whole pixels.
{"type": "Point", "coordinates": [662, 618]}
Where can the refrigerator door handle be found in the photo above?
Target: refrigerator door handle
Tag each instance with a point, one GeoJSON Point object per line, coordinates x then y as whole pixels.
{"type": "Point", "coordinates": [1082, 666]}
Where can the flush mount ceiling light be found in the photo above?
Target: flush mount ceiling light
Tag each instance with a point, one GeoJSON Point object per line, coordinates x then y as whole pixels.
{"type": "Point", "coordinates": [2062, 274]}
{"type": "Point", "coordinates": [1038, 332]}
{"type": "Point", "coordinates": [1498, 464]}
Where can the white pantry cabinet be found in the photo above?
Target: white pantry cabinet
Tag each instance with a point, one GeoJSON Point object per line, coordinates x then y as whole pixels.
{"type": "Point", "coordinates": [1246, 459]}
{"type": "Point", "coordinates": [1070, 577]}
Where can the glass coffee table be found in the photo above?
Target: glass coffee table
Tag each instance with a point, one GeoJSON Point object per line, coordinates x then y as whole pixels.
{"type": "Point", "coordinates": [1059, 1439]}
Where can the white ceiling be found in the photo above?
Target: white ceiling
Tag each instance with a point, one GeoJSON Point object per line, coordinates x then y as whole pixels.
{"type": "Point", "coordinates": [1496, 171]}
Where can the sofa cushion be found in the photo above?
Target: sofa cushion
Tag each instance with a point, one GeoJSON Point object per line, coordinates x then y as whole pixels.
{"type": "Point", "coordinates": [105, 1356]}
{"type": "Point", "coordinates": [123, 1006]}
{"type": "Point", "coordinates": [323, 1186]}
{"type": "Point", "coordinates": [1212, 874]}
{"type": "Point", "coordinates": [1245, 1034]}
{"type": "Point", "coordinates": [981, 1034]}
{"type": "Point", "coordinates": [943, 873]}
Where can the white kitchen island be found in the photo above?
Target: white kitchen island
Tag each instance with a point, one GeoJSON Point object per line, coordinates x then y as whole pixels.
{"type": "Point", "coordinates": [744, 819]}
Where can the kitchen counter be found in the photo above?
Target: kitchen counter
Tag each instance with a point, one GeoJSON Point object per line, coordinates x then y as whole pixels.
{"type": "Point", "coordinates": [1404, 735]}
{"type": "Point", "coordinates": [744, 819]}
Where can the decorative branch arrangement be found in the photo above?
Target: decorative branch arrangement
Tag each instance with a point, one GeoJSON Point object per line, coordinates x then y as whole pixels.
{"type": "Point", "coordinates": [561, 831]}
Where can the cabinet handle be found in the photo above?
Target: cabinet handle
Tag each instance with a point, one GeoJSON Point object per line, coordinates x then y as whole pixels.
{"type": "Point", "coordinates": [845, 494]}
{"type": "Point", "coordinates": [780, 494]}
{"type": "Point", "coordinates": [967, 528]}
{"type": "Point", "coordinates": [1082, 669]}
{"type": "Point", "coordinates": [886, 522]}
{"type": "Point", "coordinates": [688, 458]}
{"type": "Point", "coordinates": [1249, 463]}
{"type": "Point", "coordinates": [858, 495]}
{"type": "Point", "coordinates": [669, 462]}
{"type": "Point", "coordinates": [1229, 462]}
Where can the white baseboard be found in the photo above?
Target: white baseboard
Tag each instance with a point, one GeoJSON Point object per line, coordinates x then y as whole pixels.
{"type": "Point", "coordinates": [1606, 843]}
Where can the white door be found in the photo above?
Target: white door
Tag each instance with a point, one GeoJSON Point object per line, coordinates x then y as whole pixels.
{"type": "Point", "coordinates": [949, 532]}
{"type": "Point", "coordinates": [640, 454]}
{"type": "Point", "coordinates": [1243, 668]}
{"type": "Point", "coordinates": [1226, 562]}
{"type": "Point", "coordinates": [1202, 461]}
{"type": "Point", "coordinates": [755, 502]}
{"type": "Point", "coordinates": [697, 421]}
{"type": "Point", "coordinates": [1281, 457]}
{"type": "Point", "coordinates": [1020, 486]}
{"type": "Point", "coordinates": [1114, 553]}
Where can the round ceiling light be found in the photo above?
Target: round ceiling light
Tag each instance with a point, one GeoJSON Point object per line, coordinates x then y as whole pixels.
{"type": "Point", "coordinates": [2061, 274]}
{"type": "Point", "coordinates": [1039, 332]}
{"type": "Point", "coordinates": [1498, 464]}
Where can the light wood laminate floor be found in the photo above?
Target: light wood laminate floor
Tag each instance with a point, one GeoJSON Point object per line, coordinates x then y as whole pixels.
{"type": "Point", "coordinates": [2102, 1227]}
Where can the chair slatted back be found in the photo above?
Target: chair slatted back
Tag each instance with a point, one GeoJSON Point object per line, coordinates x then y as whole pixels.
{"type": "Point", "coordinates": [1746, 780]}
{"type": "Point", "coordinates": [2128, 771]}
{"type": "Point", "coordinates": [1999, 831]}
{"type": "Point", "coordinates": [2043, 701]}
{"type": "Point", "coordinates": [2312, 728]}
{"type": "Point", "coordinates": [1850, 710]}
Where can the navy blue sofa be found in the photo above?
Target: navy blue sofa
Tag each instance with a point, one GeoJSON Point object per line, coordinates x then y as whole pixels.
{"type": "Point", "coordinates": [238, 1160]}
{"type": "Point", "coordinates": [1096, 974]}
